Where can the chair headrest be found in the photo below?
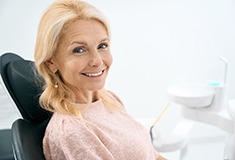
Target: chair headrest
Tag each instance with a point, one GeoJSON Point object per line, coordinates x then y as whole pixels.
{"type": "Point", "coordinates": [25, 86]}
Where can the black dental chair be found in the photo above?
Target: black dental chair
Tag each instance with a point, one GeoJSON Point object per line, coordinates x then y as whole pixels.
{"type": "Point", "coordinates": [6, 152]}
{"type": "Point", "coordinates": [24, 86]}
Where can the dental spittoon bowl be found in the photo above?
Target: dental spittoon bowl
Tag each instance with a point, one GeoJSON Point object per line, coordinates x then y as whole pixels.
{"type": "Point", "coordinates": [192, 95]}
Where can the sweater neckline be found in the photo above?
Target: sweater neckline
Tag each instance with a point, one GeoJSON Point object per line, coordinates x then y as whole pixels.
{"type": "Point", "coordinates": [85, 105]}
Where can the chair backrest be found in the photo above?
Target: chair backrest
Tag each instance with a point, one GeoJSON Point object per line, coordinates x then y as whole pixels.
{"type": "Point", "coordinates": [24, 86]}
{"type": "Point", "coordinates": [27, 140]}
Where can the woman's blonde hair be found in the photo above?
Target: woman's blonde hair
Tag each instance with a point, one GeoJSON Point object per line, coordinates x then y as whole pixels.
{"type": "Point", "coordinates": [52, 26]}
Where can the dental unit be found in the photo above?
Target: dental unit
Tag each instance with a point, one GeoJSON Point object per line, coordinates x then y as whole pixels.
{"type": "Point", "coordinates": [208, 104]}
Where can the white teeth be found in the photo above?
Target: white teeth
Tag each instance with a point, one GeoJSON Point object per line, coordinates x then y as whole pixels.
{"type": "Point", "coordinates": [93, 74]}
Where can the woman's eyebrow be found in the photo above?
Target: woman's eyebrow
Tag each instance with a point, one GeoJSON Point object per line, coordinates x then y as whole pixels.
{"type": "Point", "coordinates": [84, 43]}
{"type": "Point", "coordinates": [105, 39]}
{"type": "Point", "coordinates": [78, 42]}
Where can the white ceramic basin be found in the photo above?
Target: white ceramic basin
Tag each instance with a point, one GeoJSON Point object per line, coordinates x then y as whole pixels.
{"type": "Point", "coordinates": [194, 96]}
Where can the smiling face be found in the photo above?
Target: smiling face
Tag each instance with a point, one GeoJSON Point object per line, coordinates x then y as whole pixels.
{"type": "Point", "coordinates": [83, 56]}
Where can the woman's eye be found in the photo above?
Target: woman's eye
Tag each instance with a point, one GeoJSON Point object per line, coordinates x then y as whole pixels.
{"type": "Point", "coordinates": [78, 50]}
{"type": "Point", "coordinates": [102, 46]}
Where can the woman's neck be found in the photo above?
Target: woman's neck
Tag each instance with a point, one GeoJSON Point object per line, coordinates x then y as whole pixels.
{"type": "Point", "coordinates": [87, 97]}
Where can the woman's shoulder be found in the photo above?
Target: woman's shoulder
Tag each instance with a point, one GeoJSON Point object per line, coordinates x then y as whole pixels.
{"type": "Point", "coordinates": [62, 124]}
{"type": "Point", "coordinates": [115, 97]}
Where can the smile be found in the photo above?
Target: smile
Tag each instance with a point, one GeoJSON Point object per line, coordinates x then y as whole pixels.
{"type": "Point", "coordinates": [93, 74]}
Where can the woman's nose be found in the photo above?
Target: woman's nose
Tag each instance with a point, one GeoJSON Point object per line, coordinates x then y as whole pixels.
{"type": "Point", "coordinates": [95, 59]}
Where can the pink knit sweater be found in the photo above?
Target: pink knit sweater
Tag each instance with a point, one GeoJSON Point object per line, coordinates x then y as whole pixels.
{"type": "Point", "coordinates": [103, 135]}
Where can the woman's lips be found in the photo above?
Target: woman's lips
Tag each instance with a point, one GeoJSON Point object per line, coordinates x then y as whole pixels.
{"type": "Point", "coordinates": [97, 74]}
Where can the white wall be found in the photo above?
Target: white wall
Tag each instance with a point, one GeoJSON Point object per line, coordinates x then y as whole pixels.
{"type": "Point", "coordinates": [155, 43]}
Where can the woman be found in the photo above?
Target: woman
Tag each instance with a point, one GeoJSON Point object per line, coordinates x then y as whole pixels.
{"type": "Point", "coordinates": [73, 56]}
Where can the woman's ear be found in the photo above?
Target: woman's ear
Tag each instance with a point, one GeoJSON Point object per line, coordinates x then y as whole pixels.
{"type": "Point", "coordinates": [51, 65]}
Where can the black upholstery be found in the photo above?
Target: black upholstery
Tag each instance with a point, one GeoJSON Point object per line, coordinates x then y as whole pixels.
{"type": "Point", "coordinates": [24, 86]}
{"type": "Point", "coordinates": [6, 152]}
{"type": "Point", "coordinates": [27, 140]}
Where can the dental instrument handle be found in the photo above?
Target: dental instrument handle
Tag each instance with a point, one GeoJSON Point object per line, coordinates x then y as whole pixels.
{"type": "Point", "coordinates": [161, 114]}
{"type": "Point", "coordinates": [158, 118]}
